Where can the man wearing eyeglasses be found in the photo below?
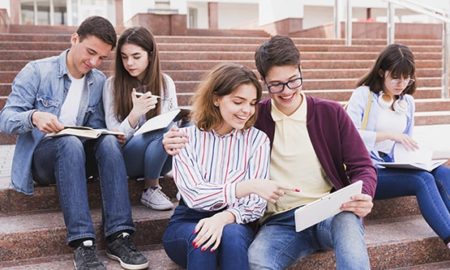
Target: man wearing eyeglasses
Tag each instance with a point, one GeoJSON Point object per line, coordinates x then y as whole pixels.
{"type": "Point", "coordinates": [314, 146]}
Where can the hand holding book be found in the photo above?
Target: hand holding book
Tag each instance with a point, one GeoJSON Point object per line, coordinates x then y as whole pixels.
{"type": "Point", "coordinates": [85, 132]}
{"type": "Point", "coordinates": [418, 159]}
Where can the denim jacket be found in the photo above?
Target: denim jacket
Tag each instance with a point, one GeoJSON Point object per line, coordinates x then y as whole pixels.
{"type": "Point", "coordinates": [42, 85]}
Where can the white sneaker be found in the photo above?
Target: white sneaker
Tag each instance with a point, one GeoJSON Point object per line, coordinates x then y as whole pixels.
{"type": "Point", "coordinates": [156, 199]}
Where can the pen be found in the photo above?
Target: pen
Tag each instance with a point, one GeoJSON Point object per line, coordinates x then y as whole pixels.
{"type": "Point", "coordinates": [139, 94]}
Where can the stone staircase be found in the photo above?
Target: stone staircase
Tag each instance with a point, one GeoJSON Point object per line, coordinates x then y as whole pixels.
{"type": "Point", "coordinates": [32, 232]}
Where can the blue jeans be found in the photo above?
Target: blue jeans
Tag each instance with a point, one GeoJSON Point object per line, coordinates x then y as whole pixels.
{"type": "Point", "coordinates": [63, 160]}
{"type": "Point", "coordinates": [277, 245]}
{"type": "Point", "coordinates": [432, 191]}
{"type": "Point", "coordinates": [145, 156]}
{"type": "Point", "coordinates": [232, 251]}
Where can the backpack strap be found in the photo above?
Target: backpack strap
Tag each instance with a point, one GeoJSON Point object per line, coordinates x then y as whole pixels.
{"type": "Point", "coordinates": [366, 112]}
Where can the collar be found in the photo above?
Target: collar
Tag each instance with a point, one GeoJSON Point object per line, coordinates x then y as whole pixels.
{"type": "Point", "coordinates": [299, 115]}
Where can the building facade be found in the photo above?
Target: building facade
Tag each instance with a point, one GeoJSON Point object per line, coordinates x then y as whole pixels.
{"type": "Point", "coordinates": [215, 14]}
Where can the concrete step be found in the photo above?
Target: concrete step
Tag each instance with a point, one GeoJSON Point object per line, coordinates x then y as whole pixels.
{"type": "Point", "coordinates": [429, 266]}
{"type": "Point", "coordinates": [204, 65]}
{"type": "Point", "coordinates": [220, 55]}
{"type": "Point", "coordinates": [183, 46]}
{"type": "Point", "coordinates": [227, 32]}
{"type": "Point", "coordinates": [397, 242]}
{"type": "Point", "coordinates": [308, 74]}
{"type": "Point", "coordinates": [64, 37]}
{"type": "Point", "coordinates": [34, 235]}
{"type": "Point", "coordinates": [318, 84]}
{"type": "Point", "coordinates": [340, 95]}
{"type": "Point", "coordinates": [9, 69]}
{"type": "Point", "coordinates": [392, 243]}
{"type": "Point", "coordinates": [155, 254]}
{"type": "Point", "coordinates": [46, 198]}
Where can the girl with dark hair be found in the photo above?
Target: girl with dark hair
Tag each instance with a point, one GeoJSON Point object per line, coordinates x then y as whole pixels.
{"type": "Point", "coordinates": [221, 174]}
{"type": "Point", "coordinates": [130, 98]}
{"type": "Point", "coordinates": [388, 87]}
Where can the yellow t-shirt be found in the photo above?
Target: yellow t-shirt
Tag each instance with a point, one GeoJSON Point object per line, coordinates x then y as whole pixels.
{"type": "Point", "coordinates": [294, 162]}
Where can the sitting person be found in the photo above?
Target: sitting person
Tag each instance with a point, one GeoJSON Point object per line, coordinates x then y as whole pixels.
{"type": "Point", "coordinates": [314, 145]}
{"type": "Point", "coordinates": [221, 174]}
{"type": "Point", "coordinates": [389, 86]}
{"type": "Point", "coordinates": [137, 66]}
{"type": "Point", "coordinates": [66, 90]}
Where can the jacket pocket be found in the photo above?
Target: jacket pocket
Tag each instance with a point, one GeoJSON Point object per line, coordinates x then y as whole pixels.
{"type": "Point", "coordinates": [47, 104]}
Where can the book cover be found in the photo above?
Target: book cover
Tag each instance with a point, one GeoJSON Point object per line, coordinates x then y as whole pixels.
{"type": "Point", "coordinates": [162, 121]}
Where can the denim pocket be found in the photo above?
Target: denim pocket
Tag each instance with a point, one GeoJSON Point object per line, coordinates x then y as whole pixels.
{"type": "Point", "coordinates": [46, 103]}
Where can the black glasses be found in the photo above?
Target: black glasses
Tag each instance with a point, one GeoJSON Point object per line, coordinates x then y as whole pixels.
{"type": "Point", "coordinates": [278, 87]}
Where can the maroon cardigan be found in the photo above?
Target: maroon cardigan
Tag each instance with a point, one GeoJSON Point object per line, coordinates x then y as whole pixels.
{"type": "Point", "coordinates": [337, 143]}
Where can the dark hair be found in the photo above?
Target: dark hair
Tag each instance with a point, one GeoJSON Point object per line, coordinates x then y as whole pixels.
{"type": "Point", "coordinates": [277, 51]}
{"type": "Point", "coordinates": [99, 27]}
{"type": "Point", "coordinates": [221, 81]}
{"type": "Point", "coordinates": [124, 83]}
{"type": "Point", "coordinates": [399, 61]}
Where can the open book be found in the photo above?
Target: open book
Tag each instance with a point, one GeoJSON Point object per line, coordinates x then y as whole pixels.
{"type": "Point", "coordinates": [420, 159]}
{"type": "Point", "coordinates": [162, 121]}
{"type": "Point", "coordinates": [86, 132]}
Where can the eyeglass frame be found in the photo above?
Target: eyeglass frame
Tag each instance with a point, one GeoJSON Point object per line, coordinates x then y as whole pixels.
{"type": "Point", "coordinates": [407, 82]}
{"type": "Point", "coordinates": [286, 84]}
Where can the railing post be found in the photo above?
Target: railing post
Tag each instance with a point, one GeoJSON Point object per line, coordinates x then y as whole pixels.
{"type": "Point", "coordinates": [348, 24]}
{"type": "Point", "coordinates": [337, 24]}
{"type": "Point", "coordinates": [390, 23]}
{"type": "Point", "coordinates": [445, 58]}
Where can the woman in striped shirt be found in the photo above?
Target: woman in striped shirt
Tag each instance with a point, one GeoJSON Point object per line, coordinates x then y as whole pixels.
{"type": "Point", "coordinates": [221, 174]}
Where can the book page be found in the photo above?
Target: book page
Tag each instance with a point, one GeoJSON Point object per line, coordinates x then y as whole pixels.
{"type": "Point", "coordinates": [86, 132]}
{"type": "Point", "coordinates": [158, 122]}
{"type": "Point", "coordinates": [421, 155]}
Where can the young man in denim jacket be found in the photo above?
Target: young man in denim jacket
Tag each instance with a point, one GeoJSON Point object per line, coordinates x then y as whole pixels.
{"type": "Point", "coordinates": [65, 90]}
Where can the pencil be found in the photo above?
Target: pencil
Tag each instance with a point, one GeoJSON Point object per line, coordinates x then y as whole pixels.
{"type": "Point", "coordinates": [139, 94]}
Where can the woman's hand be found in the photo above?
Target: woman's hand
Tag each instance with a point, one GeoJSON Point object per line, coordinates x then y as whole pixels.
{"type": "Point", "coordinates": [174, 140]}
{"type": "Point", "coordinates": [142, 103]}
{"type": "Point", "coordinates": [266, 189]}
{"type": "Point", "coordinates": [209, 230]}
{"type": "Point", "coordinates": [407, 141]}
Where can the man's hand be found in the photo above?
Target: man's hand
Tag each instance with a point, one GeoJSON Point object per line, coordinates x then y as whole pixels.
{"type": "Point", "coordinates": [360, 204]}
{"type": "Point", "coordinates": [174, 140]}
{"type": "Point", "coordinates": [46, 122]}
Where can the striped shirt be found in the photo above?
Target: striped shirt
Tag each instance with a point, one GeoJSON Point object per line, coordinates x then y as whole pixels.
{"type": "Point", "coordinates": [207, 170]}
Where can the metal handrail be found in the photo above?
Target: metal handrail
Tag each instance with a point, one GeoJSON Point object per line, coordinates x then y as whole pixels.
{"type": "Point", "coordinates": [432, 12]}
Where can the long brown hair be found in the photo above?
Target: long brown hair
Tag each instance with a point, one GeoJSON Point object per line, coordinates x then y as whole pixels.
{"type": "Point", "coordinates": [396, 59]}
{"type": "Point", "coordinates": [124, 82]}
{"type": "Point", "coordinates": [221, 81]}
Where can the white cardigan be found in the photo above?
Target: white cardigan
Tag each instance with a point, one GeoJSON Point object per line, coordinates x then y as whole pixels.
{"type": "Point", "coordinates": [168, 102]}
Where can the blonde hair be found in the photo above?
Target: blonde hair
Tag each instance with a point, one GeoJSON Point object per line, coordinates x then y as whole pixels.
{"type": "Point", "coordinates": [219, 82]}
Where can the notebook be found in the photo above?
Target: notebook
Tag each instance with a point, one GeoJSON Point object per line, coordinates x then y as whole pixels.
{"type": "Point", "coordinates": [325, 207]}
{"type": "Point", "coordinates": [420, 159]}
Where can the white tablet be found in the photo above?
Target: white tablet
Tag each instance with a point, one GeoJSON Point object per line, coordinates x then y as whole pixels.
{"type": "Point", "coordinates": [325, 207]}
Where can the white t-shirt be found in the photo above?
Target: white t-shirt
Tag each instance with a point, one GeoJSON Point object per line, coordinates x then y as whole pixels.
{"type": "Point", "coordinates": [389, 121]}
{"type": "Point", "coordinates": [70, 107]}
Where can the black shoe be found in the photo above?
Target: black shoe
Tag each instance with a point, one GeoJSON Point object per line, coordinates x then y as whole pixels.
{"type": "Point", "coordinates": [122, 249]}
{"type": "Point", "coordinates": [85, 257]}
